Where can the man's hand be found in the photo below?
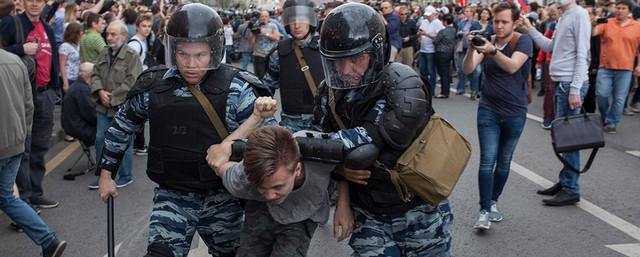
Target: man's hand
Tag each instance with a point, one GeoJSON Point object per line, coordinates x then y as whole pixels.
{"type": "Point", "coordinates": [355, 176]}
{"type": "Point", "coordinates": [406, 39]}
{"type": "Point", "coordinates": [469, 43]}
{"type": "Point", "coordinates": [636, 72]}
{"type": "Point", "coordinates": [342, 222]}
{"type": "Point", "coordinates": [105, 97]}
{"type": "Point", "coordinates": [574, 102]}
{"type": "Point", "coordinates": [106, 186]}
{"type": "Point", "coordinates": [525, 24]}
{"type": "Point", "coordinates": [265, 106]}
{"type": "Point", "coordinates": [30, 48]}
{"type": "Point", "coordinates": [218, 155]}
{"type": "Point", "coordinates": [487, 48]}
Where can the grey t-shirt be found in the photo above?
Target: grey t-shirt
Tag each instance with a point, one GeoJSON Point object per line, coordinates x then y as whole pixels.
{"type": "Point", "coordinates": [309, 201]}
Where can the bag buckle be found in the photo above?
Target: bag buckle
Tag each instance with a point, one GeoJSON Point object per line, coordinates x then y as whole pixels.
{"type": "Point", "coordinates": [304, 68]}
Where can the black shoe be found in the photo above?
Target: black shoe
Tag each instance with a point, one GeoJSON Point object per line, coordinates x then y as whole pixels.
{"type": "Point", "coordinates": [43, 203]}
{"type": "Point", "coordinates": [55, 249]}
{"type": "Point", "coordinates": [551, 191]}
{"type": "Point", "coordinates": [15, 227]}
{"type": "Point", "coordinates": [563, 198]}
{"type": "Point", "coordinates": [441, 96]}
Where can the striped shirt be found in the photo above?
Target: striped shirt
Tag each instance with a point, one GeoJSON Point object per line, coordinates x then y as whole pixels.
{"type": "Point", "coordinates": [91, 44]}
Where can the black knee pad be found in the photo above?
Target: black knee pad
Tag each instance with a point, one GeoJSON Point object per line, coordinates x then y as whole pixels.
{"type": "Point", "coordinates": [159, 250]}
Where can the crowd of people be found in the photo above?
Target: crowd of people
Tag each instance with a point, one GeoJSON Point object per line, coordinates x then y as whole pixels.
{"type": "Point", "coordinates": [114, 66]}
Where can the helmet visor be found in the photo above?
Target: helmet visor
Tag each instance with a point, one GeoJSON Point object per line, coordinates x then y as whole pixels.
{"type": "Point", "coordinates": [194, 54]}
{"type": "Point", "coordinates": [348, 72]}
{"type": "Point", "coordinates": [299, 14]}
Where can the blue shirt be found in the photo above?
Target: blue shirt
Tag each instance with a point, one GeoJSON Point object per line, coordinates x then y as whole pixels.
{"type": "Point", "coordinates": [504, 93]}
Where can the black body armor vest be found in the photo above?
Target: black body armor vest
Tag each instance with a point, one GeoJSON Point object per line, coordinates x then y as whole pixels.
{"type": "Point", "coordinates": [295, 94]}
{"type": "Point", "coordinates": [180, 132]}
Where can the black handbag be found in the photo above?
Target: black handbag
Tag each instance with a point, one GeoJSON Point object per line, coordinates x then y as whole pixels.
{"type": "Point", "coordinates": [577, 132]}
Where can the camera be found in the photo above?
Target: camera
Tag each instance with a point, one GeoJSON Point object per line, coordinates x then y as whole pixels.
{"type": "Point", "coordinates": [602, 20]}
{"type": "Point", "coordinates": [478, 37]}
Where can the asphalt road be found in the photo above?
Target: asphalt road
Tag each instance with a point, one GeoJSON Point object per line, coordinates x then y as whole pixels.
{"type": "Point", "coordinates": [604, 224]}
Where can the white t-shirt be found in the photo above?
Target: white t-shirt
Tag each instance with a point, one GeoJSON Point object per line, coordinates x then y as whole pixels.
{"type": "Point", "coordinates": [426, 43]}
{"type": "Point", "coordinates": [139, 46]}
{"type": "Point", "coordinates": [228, 35]}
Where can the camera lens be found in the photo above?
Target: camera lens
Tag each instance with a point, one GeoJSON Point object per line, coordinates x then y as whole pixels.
{"type": "Point", "coordinates": [477, 40]}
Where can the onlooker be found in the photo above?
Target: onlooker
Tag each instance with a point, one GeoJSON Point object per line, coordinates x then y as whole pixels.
{"type": "Point", "coordinates": [589, 104]}
{"type": "Point", "coordinates": [78, 110]}
{"type": "Point", "coordinates": [228, 39]}
{"type": "Point", "coordinates": [502, 111]}
{"type": "Point", "coordinates": [245, 39]}
{"type": "Point", "coordinates": [408, 34]}
{"type": "Point", "coordinates": [619, 48]}
{"type": "Point", "coordinates": [17, 115]}
{"type": "Point", "coordinates": [139, 44]}
{"type": "Point", "coordinates": [39, 43]}
{"type": "Point", "coordinates": [392, 21]}
{"type": "Point", "coordinates": [465, 26]}
{"type": "Point", "coordinates": [92, 43]}
{"type": "Point", "coordinates": [72, 14]}
{"type": "Point", "coordinates": [568, 70]}
{"type": "Point", "coordinates": [544, 59]}
{"type": "Point", "coordinates": [115, 72]}
{"type": "Point", "coordinates": [445, 44]}
{"type": "Point", "coordinates": [428, 31]}
{"type": "Point", "coordinates": [70, 55]}
{"type": "Point", "coordinates": [265, 41]}
{"type": "Point", "coordinates": [130, 16]}
{"type": "Point", "coordinates": [58, 21]}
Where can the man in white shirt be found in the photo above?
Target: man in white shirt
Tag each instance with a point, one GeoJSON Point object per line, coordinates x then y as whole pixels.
{"type": "Point", "coordinates": [428, 31]}
{"type": "Point", "coordinates": [139, 41]}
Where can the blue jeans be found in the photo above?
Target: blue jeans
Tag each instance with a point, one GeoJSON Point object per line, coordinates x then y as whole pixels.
{"type": "Point", "coordinates": [614, 82]}
{"type": "Point", "coordinates": [474, 77]}
{"type": "Point", "coordinates": [498, 137]}
{"type": "Point", "coordinates": [427, 63]}
{"type": "Point", "coordinates": [246, 57]}
{"type": "Point", "coordinates": [568, 178]}
{"type": "Point", "coordinates": [17, 209]}
{"type": "Point", "coordinates": [126, 165]}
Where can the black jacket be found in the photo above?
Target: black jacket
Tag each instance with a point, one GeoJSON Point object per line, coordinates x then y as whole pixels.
{"type": "Point", "coordinates": [408, 29]}
{"type": "Point", "coordinates": [79, 113]}
{"type": "Point", "coordinates": [9, 42]}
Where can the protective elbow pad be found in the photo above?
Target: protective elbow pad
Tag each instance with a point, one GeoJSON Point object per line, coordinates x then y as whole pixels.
{"type": "Point", "coordinates": [159, 250]}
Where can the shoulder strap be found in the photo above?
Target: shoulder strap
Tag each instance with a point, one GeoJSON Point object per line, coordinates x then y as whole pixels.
{"type": "Point", "coordinates": [211, 113]}
{"type": "Point", "coordinates": [19, 31]}
{"type": "Point", "coordinates": [140, 43]}
{"type": "Point", "coordinates": [514, 41]}
{"type": "Point", "coordinates": [305, 70]}
{"type": "Point", "coordinates": [332, 106]}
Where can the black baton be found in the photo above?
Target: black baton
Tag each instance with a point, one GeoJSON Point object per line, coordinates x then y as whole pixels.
{"type": "Point", "coordinates": [110, 237]}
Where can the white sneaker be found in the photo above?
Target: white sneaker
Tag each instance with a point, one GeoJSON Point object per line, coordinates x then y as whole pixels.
{"type": "Point", "coordinates": [494, 214]}
{"type": "Point", "coordinates": [483, 222]}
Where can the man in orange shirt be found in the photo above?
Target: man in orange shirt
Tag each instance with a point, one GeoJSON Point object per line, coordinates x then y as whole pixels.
{"type": "Point", "coordinates": [619, 46]}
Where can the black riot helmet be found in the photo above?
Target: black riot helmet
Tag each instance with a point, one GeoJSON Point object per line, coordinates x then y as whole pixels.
{"type": "Point", "coordinates": [350, 35]}
{"type": "Point", "coordinates": [299, 11]}
{"type": "Point", "coordinates": [195, 23]}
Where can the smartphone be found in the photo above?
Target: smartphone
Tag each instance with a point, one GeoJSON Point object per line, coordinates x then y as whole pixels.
{"type": "Point", "coordinates": [602, 20]}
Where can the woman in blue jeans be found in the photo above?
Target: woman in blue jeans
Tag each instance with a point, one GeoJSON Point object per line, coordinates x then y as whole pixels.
{"type": "Point", "coordinates": [503, 107]}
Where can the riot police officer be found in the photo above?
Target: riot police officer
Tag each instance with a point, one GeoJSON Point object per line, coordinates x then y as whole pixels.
{"type": "Point", "coordinates": [379, 108]}
{"type": "Point", "coordinates": [189, 196]}
{"type": "Point", "coordinates": [300, 58]}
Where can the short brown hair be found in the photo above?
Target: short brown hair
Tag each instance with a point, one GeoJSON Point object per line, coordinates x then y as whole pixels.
{"type": "Point", "coordinates": [144, 17]}
{"type": "Point", "coordinates": [73, 32]}
{"type": "Point", "coordinates": [502, 6]}
{"type": "Point", "coordinates": [267, 149]}
{"type": "Point", "coordinates": [6, 7]}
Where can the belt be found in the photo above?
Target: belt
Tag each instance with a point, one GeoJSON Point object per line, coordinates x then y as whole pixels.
{"type": "Point", "coordinates": [41, 89]}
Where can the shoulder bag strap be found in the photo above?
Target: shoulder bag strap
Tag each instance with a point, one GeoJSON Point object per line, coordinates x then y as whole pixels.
{"type": "Point", "coordinates": [305, 70]}
{"type": "Point", "coordinates": [211, 113]}
{"type": "Point", "coordinates": [332, 106]}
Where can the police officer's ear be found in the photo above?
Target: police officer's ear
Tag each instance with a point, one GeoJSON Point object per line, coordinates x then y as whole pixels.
{"type": "Point", "coordinates": [298, 170]}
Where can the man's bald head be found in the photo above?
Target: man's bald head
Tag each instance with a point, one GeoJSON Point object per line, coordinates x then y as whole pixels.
{"type": "Point", "coordinates": [86, 71]}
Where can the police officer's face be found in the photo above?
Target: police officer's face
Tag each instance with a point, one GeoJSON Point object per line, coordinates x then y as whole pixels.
{"type": "Point", "coordinates": [193, 61]}
{"type": "Point", "coordinates": [276, 187]}
{"type": "Point", "coordinates": [351, 69]}
{"type": "Point", "coordinates": [299, 30]}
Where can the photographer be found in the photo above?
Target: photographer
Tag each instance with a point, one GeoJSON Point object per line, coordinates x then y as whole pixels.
{"type": "Point", "coordinates": [503, 108]}
{"type": "Point", "coordinates": [265, 40]}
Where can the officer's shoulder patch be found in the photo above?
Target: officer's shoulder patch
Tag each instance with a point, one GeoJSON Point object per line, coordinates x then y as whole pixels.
{"type": "Point", "coordinates": [145, 80]}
